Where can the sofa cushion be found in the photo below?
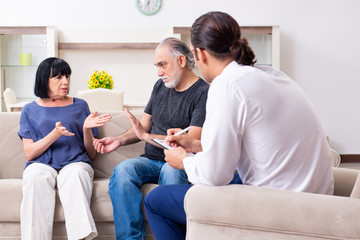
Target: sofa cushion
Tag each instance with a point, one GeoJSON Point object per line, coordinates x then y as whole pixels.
{"type": "Point", "coordinates": [344, 181]}
{"type": "Point", "coordinates": [356, 190]}
{"type": "Point", "coordinates": [104, 164]}
{"type": "Point", "coordinates": [10, 199]}
{"type": "Point", "coordinates": [101, 206]}
{"type": "Point", "coordinates": [12, 158]}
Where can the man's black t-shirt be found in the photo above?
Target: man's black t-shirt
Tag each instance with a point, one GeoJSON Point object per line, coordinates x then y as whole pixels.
{"type": "Point", "coordinates": [172, 109]}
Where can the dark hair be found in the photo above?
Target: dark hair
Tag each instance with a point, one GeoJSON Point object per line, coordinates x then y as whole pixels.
{"type": "Point", "coordinates": [50, 67]}
{"type": "Point", "coordinates": [220, 35]}
{"type": "Point", "coordinates": [177, 48]}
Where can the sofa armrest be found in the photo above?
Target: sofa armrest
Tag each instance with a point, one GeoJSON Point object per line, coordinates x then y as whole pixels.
{"type": "Point", "coordinates": [249, 212]}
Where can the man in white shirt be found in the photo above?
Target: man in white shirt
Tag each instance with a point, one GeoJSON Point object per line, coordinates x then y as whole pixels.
{"type": "Point", "coordinates": [258, 122]}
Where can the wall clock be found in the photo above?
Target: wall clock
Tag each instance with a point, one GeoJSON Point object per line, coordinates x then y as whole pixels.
{"type": "Point", "coordinates": [149, 7]}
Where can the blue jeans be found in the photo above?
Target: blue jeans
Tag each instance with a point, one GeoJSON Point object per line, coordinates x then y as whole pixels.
{"type": "Point", "coordinates": [126, 196]}
{"type": "Point", "coordinates": [164, 207]}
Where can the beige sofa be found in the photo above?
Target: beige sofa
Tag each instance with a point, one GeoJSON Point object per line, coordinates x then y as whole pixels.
{"type": "Point", "coordinates": [229, 212]}
{"type": "Point", "coordinates": [12, 162]}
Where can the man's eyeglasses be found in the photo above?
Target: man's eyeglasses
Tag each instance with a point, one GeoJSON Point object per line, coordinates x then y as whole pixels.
{"type": "Point", "coordinates": [190, 55]}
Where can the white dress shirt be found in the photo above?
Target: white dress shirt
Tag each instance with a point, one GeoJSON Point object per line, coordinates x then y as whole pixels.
{"type": "Point", "coordinates": [259, 122]}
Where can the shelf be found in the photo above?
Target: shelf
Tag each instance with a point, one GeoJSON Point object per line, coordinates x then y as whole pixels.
{"type": "Point", "coordinates": [107, 46]}
{"type": "Point", "coordinates": [18, 66]}
{"type": "Point", "coordinates": [264, 40]}
{"type": "Point", "coordinates": [22, 30]}
{"type": "Point", "coordinates": [244, 30]}
{"type": "Point", "coordinates": [40, 41]}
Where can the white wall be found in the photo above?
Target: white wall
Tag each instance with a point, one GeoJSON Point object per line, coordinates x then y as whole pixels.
{"type": "Point", "coordinates": [133, 70]}
{"type": "Point", "coordinates": [319, 44]}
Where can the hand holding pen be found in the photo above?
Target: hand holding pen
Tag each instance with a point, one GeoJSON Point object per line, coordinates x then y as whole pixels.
{"type": "Point", "coordinates": [177, 138]}
{"type": "Point", "coordinates": [177, 131]}
{"type": "Point", "coordinates": [180, 132]}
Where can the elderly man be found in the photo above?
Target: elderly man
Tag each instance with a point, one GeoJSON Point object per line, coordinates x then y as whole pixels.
{"type": "Point", "coordinates": [178, 100]}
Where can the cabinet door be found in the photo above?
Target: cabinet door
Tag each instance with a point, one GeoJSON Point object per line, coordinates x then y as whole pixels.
{"type": "Point", "coordinates": [264, 40]}
{"type": "Point", "coordinates": [16, 76]}
{"type": "Point", "coordinates": [40, 42]}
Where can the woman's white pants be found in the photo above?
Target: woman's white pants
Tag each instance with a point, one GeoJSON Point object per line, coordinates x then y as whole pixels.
{"type": "Point", "coordinates": [74, 184]}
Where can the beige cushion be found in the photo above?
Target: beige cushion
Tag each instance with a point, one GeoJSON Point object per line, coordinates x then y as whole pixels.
{"type": "Point", "coordinates": [104, 164]}
{"type": "Point", "coordinates": [102, 99]}
{"type": "Point", "coordinates": [12, 158]}
{"type": "Point", "coordinates": [344, 181]}
{"type": "Point", "coordinates": [10, 200]}
{"type": "Point", "coordinates": [101, 206]}
{"type": "Point", "coordinates": [356, 190]}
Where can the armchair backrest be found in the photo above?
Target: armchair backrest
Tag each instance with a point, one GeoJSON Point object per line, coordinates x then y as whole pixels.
{"type": "Point", "coordinates": [9, 97]}
{"type": "Point", "coordinates": [102, 99]}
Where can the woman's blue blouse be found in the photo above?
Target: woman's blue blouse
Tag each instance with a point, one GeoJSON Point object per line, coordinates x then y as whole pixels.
{"type": "Point", "coordinates": [37, 121]}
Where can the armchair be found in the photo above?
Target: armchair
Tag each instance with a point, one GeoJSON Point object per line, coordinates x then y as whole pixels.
{"type": "Point", "coordinates": [251, 213]}
{"type": "Point", "coordinates": [10, 101]}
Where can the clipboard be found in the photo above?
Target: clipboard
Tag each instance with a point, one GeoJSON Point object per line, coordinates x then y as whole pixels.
{"type": "Point", "coordinates": [162, 143]}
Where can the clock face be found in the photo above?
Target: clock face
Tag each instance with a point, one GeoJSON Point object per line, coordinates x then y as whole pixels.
{"type": "Point", "coordinates": [148, 7]}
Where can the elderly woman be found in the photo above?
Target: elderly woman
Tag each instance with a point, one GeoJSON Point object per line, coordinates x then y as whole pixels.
{"type": "Point", "coordinates": [57, 132]}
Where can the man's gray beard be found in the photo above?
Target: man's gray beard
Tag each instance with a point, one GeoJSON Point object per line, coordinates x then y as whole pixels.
{"type": "Point", "coordinates": [176, 79]}
{"type": "Point", "coordinates": [173, 83]}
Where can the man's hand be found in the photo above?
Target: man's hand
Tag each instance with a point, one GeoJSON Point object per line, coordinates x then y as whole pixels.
{"type": "Point", "coordinates": [106, 144]}
{"type": "Point", "coordinates": [186, 141]}
{"type": "Point", "coordinates": [137, 126]}
{"type": "Point", "coordinates": [175, 156]}
{"type": "Point", "coordinates": [96, 121]}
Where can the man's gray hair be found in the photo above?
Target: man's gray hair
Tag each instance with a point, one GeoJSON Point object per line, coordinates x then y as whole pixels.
{"type": "Point", "coordinates": [177, 48]}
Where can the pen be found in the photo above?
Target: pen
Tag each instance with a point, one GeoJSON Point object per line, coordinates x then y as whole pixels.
{"type": "Point", "coordinates": [182, 131]}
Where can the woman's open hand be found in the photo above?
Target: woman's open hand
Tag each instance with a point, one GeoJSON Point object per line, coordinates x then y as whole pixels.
{"type": "Point", "coordinates": [96, 121]}
{"type": "Point", "coordinates": [62, 130]}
